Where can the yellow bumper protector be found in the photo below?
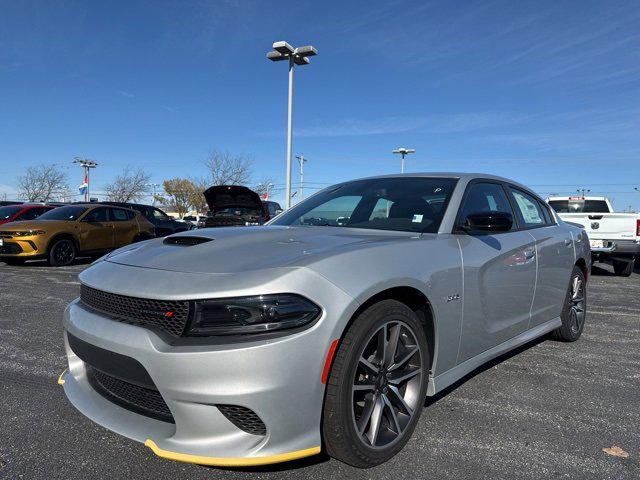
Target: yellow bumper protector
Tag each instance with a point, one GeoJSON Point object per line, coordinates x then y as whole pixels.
{"type": "Point", "coordinates": [231, 461]}
{"type": "Point", "coordinates": [60, 379]}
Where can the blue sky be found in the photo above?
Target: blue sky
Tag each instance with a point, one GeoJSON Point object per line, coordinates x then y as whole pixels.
{"type": "Point", "coordinates": [547, 93]}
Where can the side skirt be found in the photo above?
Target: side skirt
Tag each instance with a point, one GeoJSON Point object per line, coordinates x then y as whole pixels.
{"type": "Point", "coordinates": [451, 376]}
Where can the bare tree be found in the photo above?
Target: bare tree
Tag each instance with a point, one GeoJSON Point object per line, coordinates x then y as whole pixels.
{"type": "Point", "coordinates": [225, 168]}
{"type": "Point", "coordinates": [128, 186]}
{"type": "Point", "coordinates": [42, 183]}
{"type": "Point", "coordinates": [264, 186]}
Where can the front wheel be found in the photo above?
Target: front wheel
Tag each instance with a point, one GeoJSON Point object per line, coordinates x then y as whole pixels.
{"type": "Point", "coordinates": [574, 311]}
{"type": "Point", "coordinates": [62, 253]}
{"type": "Point", "coordinates": [377, 385]}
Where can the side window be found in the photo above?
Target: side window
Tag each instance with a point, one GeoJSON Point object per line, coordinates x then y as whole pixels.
{"type": "Point", "coordinates": [485, 197]}
{"type": "Point", "coordinates": [529, 210]}
{"type": "Point", "coordinates": [381, 209]}
{"type": "Point", "coordinates": [97, 215]}
{"type": "Point", "coordinates": [28, 215]}
{"type": "Point", "coordinates": [160, 215]}
{"type": "Point", "coordinates": [118, 215]}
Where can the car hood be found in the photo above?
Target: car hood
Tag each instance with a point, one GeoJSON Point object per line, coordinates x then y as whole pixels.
{"type": "Point", "coordinates": [30, 225]}
{"type": "Point", "coordinates": [242, 249]}
{"type": "Point", "coordinates": [231, 196]}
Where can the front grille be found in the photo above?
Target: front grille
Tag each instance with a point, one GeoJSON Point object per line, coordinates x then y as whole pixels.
{"type": "Point", "coordinates": [169, 316]}
{"type": "Point", "coordinates": [244, 418]}
{"type": "Point", "coordinates": [133, 397]}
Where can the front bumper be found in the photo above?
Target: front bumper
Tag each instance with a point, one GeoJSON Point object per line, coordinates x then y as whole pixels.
{"type": "Point", "coordinates": [23, 247]}
{"type": "Point", "coordinates": [279, 379]}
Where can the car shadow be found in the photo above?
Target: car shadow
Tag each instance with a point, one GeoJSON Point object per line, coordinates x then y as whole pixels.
{"type": "Point", "coordinates": [43, 263]}
{"type": "Point", "coordinates": [486, 366]}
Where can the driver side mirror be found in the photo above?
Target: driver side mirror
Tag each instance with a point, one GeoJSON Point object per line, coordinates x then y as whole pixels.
{"type": "Point", "coordinates": [487, 222]}
{"type": "Point", "coordinates": [278, 211]}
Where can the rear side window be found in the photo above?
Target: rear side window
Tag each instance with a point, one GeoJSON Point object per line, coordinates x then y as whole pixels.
{"type": "Point", "coordinates": [119, 215]}
{"type": "Point", "coordinates": [483, 197]}
{"type": "Point", "coordinates": [97, 215]}
{"type": "Point", "coordinates": [528, 209]}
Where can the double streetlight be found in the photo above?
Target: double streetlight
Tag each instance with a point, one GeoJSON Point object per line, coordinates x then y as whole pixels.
{"type": "Point", "coordinates": [404, 152]}
{"type": "Point", "coordinates": [296, 56]}
{"type": "Point", "coordinates": [86, 165]}
{"type": "Point", "coordinates": [301, 160]}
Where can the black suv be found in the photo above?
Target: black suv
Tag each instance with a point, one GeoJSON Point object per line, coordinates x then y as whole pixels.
{"type": "Point", "coordinates": [163, 223]}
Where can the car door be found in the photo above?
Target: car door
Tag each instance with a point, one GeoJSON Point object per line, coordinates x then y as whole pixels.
{"type": "Point", "coordinates": [499, 274]}
{"type": "Point", "coordinates": [125, 227]}
{"type": "Point", "coordinates": [555, 254]}
{"type": "Point", "coordinates": [96, 231]}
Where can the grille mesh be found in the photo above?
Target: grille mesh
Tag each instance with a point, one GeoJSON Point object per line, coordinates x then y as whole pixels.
{"type": "Point", "coordinates": [138, 311]}
{"type": "Point", "coordinates": [244, 418]}
{"type": "Point", "coordinates": [132, 397]}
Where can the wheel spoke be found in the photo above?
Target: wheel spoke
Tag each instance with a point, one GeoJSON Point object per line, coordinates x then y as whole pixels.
{"type": "Point", "coordinates": [575, 290]}
{"type": "Point", "coordinates": [369, 366]}
{"type": "Point", "coordinates": [396, 398]}
{"type": "Point", "coordinates": [363, 387]}
{"type": "Point", "coordinates": [382, 346]}
{"type": "Point", "coordinates": [397, 364]}
{"type": "Point", "coordinates": [404, 376]}
{"type": "Point", "coordinates": [392, 345]}
{"type": "Point", "coordinates": [394, 417]}
{"type": "Point", "coordinates": [363, 421]}
{"type": "Point", "coordinates": [376, 421]}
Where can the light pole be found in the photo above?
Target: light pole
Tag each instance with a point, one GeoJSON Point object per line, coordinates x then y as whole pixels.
{"type": "Point", "coordinates": [404, 151]}
{"type": "Point", "coordinates": [86, 165]}
{"type": "Point", "coordinates": [301, 161]}
{"type": "Point", "coordinates": [153, 189]}
{"type": "Point", "coordinates": [583, 191]}
{"type": "Point", "coordinates": [296, 56]}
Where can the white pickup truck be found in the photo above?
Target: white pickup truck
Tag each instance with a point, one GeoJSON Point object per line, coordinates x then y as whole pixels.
{"type": "Point", "coordinates": [614, 237]}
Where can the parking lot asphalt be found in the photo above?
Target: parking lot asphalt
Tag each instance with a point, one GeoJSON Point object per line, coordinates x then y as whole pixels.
{"type": "Point", "coordinates": [545, 411]}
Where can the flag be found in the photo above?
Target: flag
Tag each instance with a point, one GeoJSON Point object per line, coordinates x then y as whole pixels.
{"type": "Point", "coordinates": [265, 195]}
{"type": "Point", "coordinates": [85, 185]}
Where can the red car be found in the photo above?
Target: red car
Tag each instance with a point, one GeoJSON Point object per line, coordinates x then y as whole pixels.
{"type": "Point", "coordinates": [16, 213]}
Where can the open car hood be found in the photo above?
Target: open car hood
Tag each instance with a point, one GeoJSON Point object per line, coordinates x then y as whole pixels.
{"type": "Point", "coordinates": [232, 196]}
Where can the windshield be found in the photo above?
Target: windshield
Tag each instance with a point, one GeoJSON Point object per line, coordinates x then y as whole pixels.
{"type": "Point", "coordinates": [579, 206]}
{"type": "Point", "coordinates": [69, 213]}
{"type": "Point", "coordinates": [10, 211]}
{"type": "Point", "coordinates": [410, 204]}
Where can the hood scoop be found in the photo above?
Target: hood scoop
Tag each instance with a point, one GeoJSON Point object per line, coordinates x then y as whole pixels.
{"type": "Point", "coordinates": [186, 241]}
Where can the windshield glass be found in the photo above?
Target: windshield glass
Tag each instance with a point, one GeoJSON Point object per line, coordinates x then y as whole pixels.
{"type": "Point", "coordinates": [10, 211]}
{"type": "Point", "coordinates": [579, 206]}
{"type": "Point", "coordinates": [410, 204]}
{"type": "Point", "coordinates": [69, 213]}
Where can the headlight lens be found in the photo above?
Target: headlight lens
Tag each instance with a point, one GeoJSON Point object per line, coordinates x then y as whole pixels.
{"type": "Point", "coordinates": [28, 233]}
{"type": "Point", "coordinates": [264, 313]}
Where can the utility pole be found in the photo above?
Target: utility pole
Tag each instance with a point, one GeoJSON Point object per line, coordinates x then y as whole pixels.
{"type": "Point", "coordinates": [86, 165]}
{"type": "Point", "coordinates": [153, 187]}
{"type": "Point", "coordinates": [403, 151]}
{"type": "Point", "coordinates": [301, 161]}
{"type": "Point", "coordinates": [583, 191]}
{"type": "Point", "coordinates": [296, 56]}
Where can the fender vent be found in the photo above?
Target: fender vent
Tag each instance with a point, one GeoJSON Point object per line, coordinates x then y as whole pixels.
{"type": "Point", "coordinates": [244, 418]}
{"type": "Point", "coordinates": [186, 241]}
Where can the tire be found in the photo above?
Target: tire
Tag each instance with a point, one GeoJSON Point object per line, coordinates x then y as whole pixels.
{"type": "Point", "coordinates": [13, 261]}
{"type": "Point", "coordinates": [623, 268]}
{"type": "Point", "coordinates": [62, 253]}
{"type": "Point", "coordinates": [574, 311]}
{"type": "Point", "coordinates": [348, 435]}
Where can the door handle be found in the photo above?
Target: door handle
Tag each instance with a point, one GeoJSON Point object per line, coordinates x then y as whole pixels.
{"type": "Point", "coordinates": [568, 242]}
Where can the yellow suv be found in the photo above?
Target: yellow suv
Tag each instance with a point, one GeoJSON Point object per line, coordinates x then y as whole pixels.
{"type": "Point", "coordinates": [63, 233]}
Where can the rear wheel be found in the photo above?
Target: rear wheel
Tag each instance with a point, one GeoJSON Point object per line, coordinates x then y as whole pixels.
{"type": "Point", "coordinates": [623, 268]}
{"type": "Point", "coordinates": [575, 308]}
{"type": "Point", "coordinates": [62, 253]}
{"type": "Point", "coordinates": [377, 385]}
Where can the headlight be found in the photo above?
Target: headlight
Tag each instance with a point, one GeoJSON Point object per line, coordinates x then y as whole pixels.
{"type": "Point", "coordinates": [28, 233]}
{"type": "Point", "coordinates": [264, 313]}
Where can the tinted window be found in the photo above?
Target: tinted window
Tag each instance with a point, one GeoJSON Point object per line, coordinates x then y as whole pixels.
{"type": "Point", "coordinates": [529, 210]}
{"type": "Point", "coordinates": [8, 212]}
{"type": "Point", "coordinates": [118, 215]}
{"type": "Point", "coordinates": [579, 206]}
{"type": "Point", "coordinates": [353, 204]}
{"type": "Point", "coordinates": [483, 197]}
{"type": "Point", "coordinates": [69, 213]}
{"type": "Point", "coordinates": [159, 214]}
{"type": "Point", "coordinates": [96, 215]}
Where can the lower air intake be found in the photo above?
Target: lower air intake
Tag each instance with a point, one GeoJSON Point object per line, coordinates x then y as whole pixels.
{"type": "Point", "coordinates": [244, 418]}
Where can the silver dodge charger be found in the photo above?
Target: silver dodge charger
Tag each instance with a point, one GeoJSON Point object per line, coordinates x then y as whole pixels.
{"type": "Point", "coordinates": [324, 329]}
